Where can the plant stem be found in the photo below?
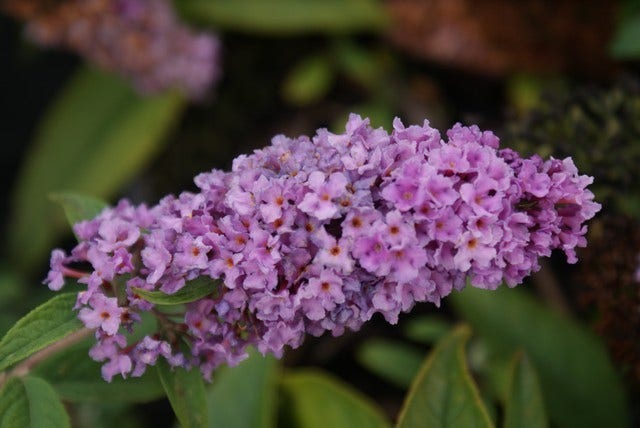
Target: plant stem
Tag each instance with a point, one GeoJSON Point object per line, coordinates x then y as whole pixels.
{"type": "Point", "coordinates": [25, 367]}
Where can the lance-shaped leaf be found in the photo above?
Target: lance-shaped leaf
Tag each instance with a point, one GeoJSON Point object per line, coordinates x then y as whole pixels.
{"type": "Point", "coordinates": [286, 16]}
{"type": "Point", "coordinates": [186, 393]}
{"type": "Point", "coordinates": [318, 400]}
{"type": "Point", "coordinates": [49, 322]}
{"type": "Point", "coordinates": [443, 393]}
{"type": "Point", "coordinates": [78, 207]}
{"type": "Point", "coordinates": [94, 137]}
{"type": "Point", "coordinates": [309, 80]}
{"type": "Point", "coordinates": [30, 402]}
{"type": "Point", "coordinates": [579, 383]}
{"type": "Point", "coordinates": [245, 396]}
{"type": "Point", "coordinates": [525, 405]}
{"type": "Point", "coordinates": [193, 290]}
{"type": "Point", "coordinates": [427, 328]}
{"type": "Point", "coordinates": [393, 361]}
{"type": "Point", "coordinates": [360, 64]}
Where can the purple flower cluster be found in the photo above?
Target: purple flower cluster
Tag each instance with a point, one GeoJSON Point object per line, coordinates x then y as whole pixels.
{"type": "Point", "coordinates": [314, 235]}
{"type": "Point", "coordinates": [140, 39]}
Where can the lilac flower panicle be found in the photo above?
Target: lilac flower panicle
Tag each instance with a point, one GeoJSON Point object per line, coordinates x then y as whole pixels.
{"type": "Point", "coordinates": [318, 234]}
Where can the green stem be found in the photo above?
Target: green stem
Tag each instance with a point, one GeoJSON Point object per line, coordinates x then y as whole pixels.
{"type": "Point", "coordinates": [25, 366]}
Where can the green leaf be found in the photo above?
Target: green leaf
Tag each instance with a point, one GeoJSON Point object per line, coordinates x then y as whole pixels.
{"type": "Point", "coordinates": [393, 361]}
{"type": "Point", "coordinates": [286, 16]}
{"type": "Point", "coordinates": [626, 41]}
{"type": "Point", "coordinates": [94, 138]}
{"type": "Point", "coordinates": [491, 368]}
{"type": "Point", "coordinates": [443, 393]}
{"type": "Point", "coordinates": [318, 400]}
{"type": "Point", "coordinates": [30, 402]}
{"type": "Point", "coordinates": [359, 64]}
{"type": "Point", "coordinates": [580, 385]}
{"type": "Point", "coordinates": [309, 80]}
{"type": "Point", "coordinates": [78, 207]}
{"type": "Point", "coordinates": [49, 322]}
{"type": "Point", "coordinates": [186, 393]}
{"type": "Point", "coordinates": [426, 329]}
{"type": "Point", "coordinates": [245, 396]}
{"type": "Point", "coordinates": [524, 91]}
{"type": "Point", "coordinates": [77, 378]}
{"type": "Point", "coordinates": [193, 290]}
{"type": "Point", "coordinates": [525, 405]}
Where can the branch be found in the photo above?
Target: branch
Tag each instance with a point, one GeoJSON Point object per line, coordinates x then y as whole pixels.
{"type": "Point", "coordinates": [25, 367]}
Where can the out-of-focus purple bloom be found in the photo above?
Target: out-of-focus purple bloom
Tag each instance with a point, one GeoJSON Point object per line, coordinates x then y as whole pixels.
{"type": "Point", "coordinates": [318, 234]}
{"type": "Point", "coordinates": [142, 40]}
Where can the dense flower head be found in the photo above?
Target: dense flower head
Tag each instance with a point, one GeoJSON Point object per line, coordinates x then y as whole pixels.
{"type": "Point", "coordinates": [318, 234]}
{"type": "Point", "coordinates": [142, 40]}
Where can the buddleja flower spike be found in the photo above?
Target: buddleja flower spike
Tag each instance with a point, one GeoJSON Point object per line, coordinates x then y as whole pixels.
{"type": "Point", "coordinates": [318, 234]}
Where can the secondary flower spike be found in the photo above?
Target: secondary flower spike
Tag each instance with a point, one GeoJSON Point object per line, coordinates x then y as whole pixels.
{"type": "Point", "coordinates": [142, 40]}
{"type": "Point", "coordinates": [318, 234]}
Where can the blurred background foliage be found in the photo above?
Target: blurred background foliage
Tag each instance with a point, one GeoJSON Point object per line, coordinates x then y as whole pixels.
{"type": "Point", "coordinates": [554, 78]}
